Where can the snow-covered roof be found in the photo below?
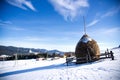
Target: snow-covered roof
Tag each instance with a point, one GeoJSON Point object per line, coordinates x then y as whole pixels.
{"type": "Point", "coordinates": [85, 38]}
{"type": "Point", "coordinates": [4, 56]}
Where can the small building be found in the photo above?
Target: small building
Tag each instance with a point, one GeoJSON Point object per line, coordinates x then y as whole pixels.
{"type": "Point", "coordinates": [3, 57]}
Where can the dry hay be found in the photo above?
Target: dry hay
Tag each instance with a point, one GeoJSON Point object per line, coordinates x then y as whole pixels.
{"type": "Point", "coordinates": [86, 46]}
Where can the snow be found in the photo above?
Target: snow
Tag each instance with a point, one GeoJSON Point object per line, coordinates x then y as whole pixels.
{"type": "Point", "coordinates": [86, 39]}
{"type": "Point", "coordinates": [104, 69]}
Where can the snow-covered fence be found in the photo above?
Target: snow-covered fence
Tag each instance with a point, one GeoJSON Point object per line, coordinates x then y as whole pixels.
{"type": "Point", "coordinates": [69, 60]}
{"type": "Point", "coordinates": [87, 58]}
{"type": "Point", "coordinates": [107, 55]}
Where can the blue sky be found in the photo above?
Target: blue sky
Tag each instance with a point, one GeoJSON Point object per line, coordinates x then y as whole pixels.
{"type": "Point", "coordinates": [58, 24]}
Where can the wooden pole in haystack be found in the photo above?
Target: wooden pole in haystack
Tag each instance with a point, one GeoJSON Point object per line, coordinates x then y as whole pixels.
{"type": "Point", "coordinates": [84, 25]}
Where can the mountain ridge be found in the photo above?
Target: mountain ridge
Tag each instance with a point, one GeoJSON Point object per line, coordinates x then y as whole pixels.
{"type": "Point", "coordinates": [10, 50]}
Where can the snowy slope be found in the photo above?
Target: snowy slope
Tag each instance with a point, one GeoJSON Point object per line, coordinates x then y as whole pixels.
{"type": "Point", "coordinates": [106, 69]}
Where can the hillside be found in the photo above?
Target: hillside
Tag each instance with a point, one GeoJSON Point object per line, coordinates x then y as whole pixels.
{"type": "Point", "coordinates": [104, 69]}
{"type": "Point", "coordinates": [10, 50]}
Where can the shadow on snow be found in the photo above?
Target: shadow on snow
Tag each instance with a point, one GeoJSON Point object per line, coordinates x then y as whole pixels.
{"type": "Point", "coordinates": [63, 65]}
{"type": "Point", "coordinates": [30, 70]}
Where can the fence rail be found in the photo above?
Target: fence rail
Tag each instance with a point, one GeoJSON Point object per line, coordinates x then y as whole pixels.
{"type": "Point", "coordinates": [87, 59]}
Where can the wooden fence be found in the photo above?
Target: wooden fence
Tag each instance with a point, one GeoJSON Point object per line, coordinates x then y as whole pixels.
{"type": "Point", "coordinates": [88, 58]}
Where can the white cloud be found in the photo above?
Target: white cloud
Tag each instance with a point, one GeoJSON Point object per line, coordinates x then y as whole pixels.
{"type": "Point", "coordinates": [16, 28]}
{"type": "Point", "coordinates": [112, 31]}
{"type": "Point", "coordinates": [29, 38]}
{"type": "Point", "coordinates": [109, 13]}
{"type": "Point", "coordinates": [93, 23]}
{"type": "Point", "coordinates": [45, 39]}
{"type": "Point", "coordinates": [9, 25]}
{"type": "Point", "coordinates": [23, 4]}
{"type": "Point", "coordinates": [28, 44]}
{"type": "Point", "coordinates": [70, 9]}
{"type": "Point", "coordinates": [5, 22]}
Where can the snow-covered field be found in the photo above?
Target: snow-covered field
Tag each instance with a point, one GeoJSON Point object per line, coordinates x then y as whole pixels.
{"type": "Point", "coordinates": [105, 69]}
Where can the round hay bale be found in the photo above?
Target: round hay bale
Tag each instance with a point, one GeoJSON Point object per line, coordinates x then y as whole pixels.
{"type": "Point", "coordinates": [87, 47]}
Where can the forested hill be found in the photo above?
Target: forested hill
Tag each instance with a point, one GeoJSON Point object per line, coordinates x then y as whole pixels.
{"type": "Point", "coordinates": [10, 50]}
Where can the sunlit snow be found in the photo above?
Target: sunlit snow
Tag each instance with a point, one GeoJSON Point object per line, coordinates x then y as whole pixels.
{"type": "Point", "coordinates": [104, 69]}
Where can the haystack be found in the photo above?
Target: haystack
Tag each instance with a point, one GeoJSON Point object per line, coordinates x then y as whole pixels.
{"type": "Point", "coordinates": [87, 48]}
